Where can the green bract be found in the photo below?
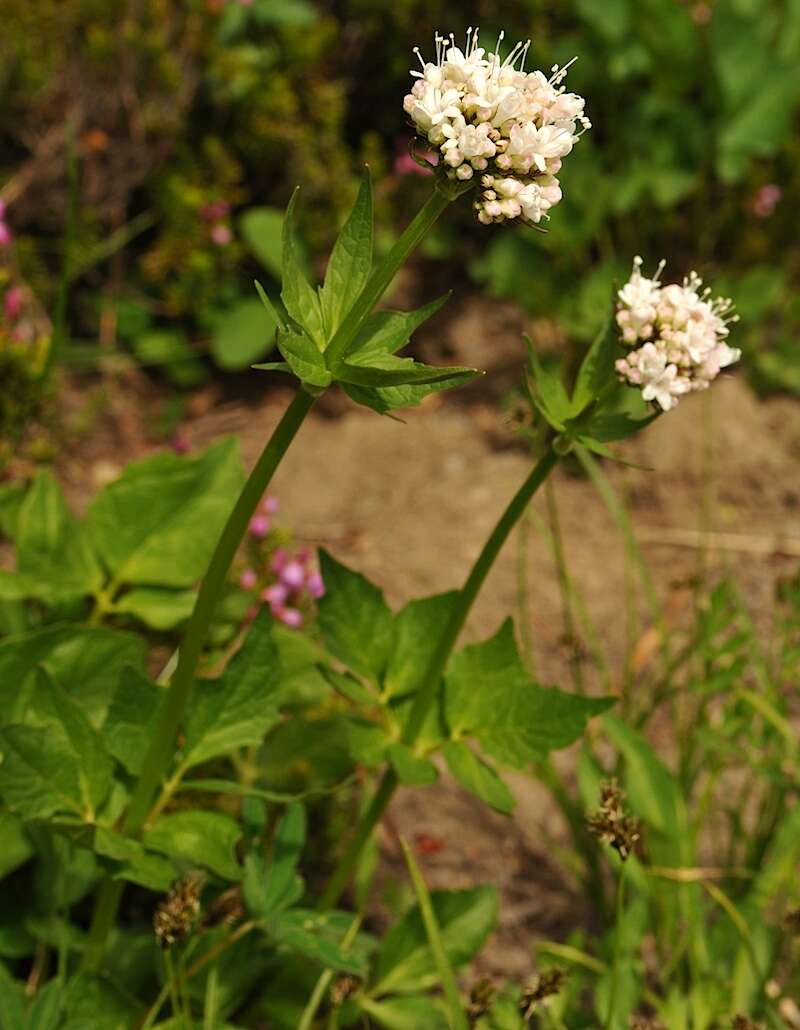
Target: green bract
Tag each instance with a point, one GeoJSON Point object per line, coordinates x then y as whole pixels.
{"type": "Point", "coordinates": [364, 357]}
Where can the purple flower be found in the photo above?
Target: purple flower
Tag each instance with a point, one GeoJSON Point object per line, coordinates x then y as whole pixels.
{"type": "Point", "coordinates": [279, 559]}
{"type": "Point", "coordinates": [293, 575]}
{"type": "Point", "coordinates": [276, 595]}
{"type": "Point", "coordinates": [270, 505]}
{"type": "Point", "coordinates": [248, 579]}
{"type": "Point", "coordinates": [12, 303]}
{"type": "Point", "coordinates": [180, 443]}
{"type": "Point", "coordinates": [259, 526]}
{"type": "Point", "coordinates": [221, 234]}
{"type": "Point", "coordinates": [289, 617]}
{"type": "Point", "coordinates": [315, 585]}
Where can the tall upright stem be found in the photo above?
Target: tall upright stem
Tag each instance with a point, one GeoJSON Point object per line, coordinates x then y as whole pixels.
{"type": "Point", "coordinates": [432, 675]}
{"type": "Point", "coordinates": [161, 746]}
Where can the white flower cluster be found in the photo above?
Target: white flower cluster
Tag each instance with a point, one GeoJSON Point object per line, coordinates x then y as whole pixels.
{"type": "Point", "coordinates": [677, 335]}
{"type": "Point", "coordinates": [490, 116]}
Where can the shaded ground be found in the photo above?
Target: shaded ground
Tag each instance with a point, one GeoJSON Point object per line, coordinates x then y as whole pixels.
{"type": "Point", "coordinates": [410, 506]}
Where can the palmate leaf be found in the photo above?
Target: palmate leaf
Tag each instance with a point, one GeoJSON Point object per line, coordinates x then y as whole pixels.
{"type": "Point", "coordinates": [489, 695]}
{"type": "Point", "coordinates": [350, 261]}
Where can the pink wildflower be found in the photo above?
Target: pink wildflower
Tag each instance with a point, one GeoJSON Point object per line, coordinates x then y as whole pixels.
{"type": "Point", "coordinates": [248, 579]}
{"type": "Point", "coordinates": [12, 303]}
{"type": "Point", "coordinates": [259, 526]}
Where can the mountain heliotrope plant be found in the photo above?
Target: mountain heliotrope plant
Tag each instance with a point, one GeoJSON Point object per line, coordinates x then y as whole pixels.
{"type": "Point", "coordinates": [150, 781]}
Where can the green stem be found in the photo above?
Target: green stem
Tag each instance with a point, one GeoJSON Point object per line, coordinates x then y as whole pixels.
{"type": "Point", "coordinates": [382, 277]}
{"type": "Point", "coordinates": [161, 746]}
{"type": "Point", "coordinates": [612, 996]}
{"type": "Point", "coordinates": [62, 297]}
{"type": "Point", "coordinates": [431, 677]}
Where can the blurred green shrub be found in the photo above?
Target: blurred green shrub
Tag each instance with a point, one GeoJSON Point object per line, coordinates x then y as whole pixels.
{"type": "Point", "coordinates": [193, 111]}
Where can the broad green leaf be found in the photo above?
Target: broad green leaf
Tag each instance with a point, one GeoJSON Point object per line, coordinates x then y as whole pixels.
{"type": "Point", "coordinates": [301, 300]}
{"type": "Point", "coordinates": [128, 724]}
{"type": "Point", "coordinates": [456, 1017]}
{"type": "Point", "coordinates": [368, 368]}
{"type": "Point", "coordinates": [237, 709]}
{"type": "Point", "coordinates": [39, 774]}
{"type": "Point", "coordinates": [161, 609]}
{"type": "Point", "coordinates": [206, 839]}
{"type": "Point", "coordinates": [262, 229]}
{"type": "Point", "coordinates": [52, 710]}
{"type": "Point", "coordinates": [384, 399]}
{"type": "Point", "coordinates": [350, 261]}
{"type": "Point", "coordinates": [53, 549]}
{"type": "Point", "coordinates": [417, 631]}
{"type": "Point", "coordinates": [243, 334]}
{"type": "Point", "coordinates": [477, 776]}
{"type": "Point", "coordinates": [412, 771]}
{"type": "Point", "coordinates": [318, 936]}
{"type": "Point", "coordinates": [158, 523]}
{"type": "Point", "coordinates": [405, 1013]}
{"type": "Point", "coordinates": [355, 621]}
{"type": "Point", "coordinates": [386, 332]}
{"type": "Point", "coordinates": [348, 686]}
{"type": "Point", "coordinates": [404, 963]}
{"type": "Point", "coordinates": [132, 862]}
{"type": "Point", "coordinates": [489, 695]}
{"type": "Point", "coordinates": [17, 847]}
{"type": "Point", "coordinates": [304, 359]}
{"type": "Point", "coordinates": [85, 661]}
{"type": "Point", "coordinates": [271, 887]}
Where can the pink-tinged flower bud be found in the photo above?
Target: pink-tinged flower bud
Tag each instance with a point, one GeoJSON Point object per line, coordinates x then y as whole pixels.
{"type": "Point", "coordinates": [275, 595]}
{"type": "Point", "coordinates": [248, 579]}
{"type": "Point", "coordinates": [766, 199]}
{"type": "Point", "coordinates": [180, 443]}
{"type": "Point", "coordinates": [289, 617]}
{"type": "Point", "coordinates": [221, 234]}
{"type": "Point", "coordinates": [6, 237]}
{"type": "Point", "coordinates": [293, 575]}
{"type": "Point", "coordinates": [270, 505]}
{"type": "Point", "coordinates": [315, 586]}
{"type": "Point", "coordinates": [279, 559]}
{"type": "Point", "coordinates": [259, 526]}
{"type": "Point", "coordinates": [215, 211]}
{"type": "Point", "coordinates": [12, 303]}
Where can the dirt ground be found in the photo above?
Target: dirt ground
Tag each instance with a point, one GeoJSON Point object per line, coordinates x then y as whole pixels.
{"type": "Point", "coordinates": [411, 504]}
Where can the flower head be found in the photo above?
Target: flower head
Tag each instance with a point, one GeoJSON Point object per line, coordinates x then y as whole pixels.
{"type": "Point", "coordinates": [486, 114]}
{"type": "Point", "coordinates": [677, 335]}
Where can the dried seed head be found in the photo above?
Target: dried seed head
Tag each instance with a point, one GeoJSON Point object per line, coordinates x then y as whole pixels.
{"type": "Point", "coordinates": [176, 915]}
{"type": "Point", "coordinates": [480, 1000]}
{"type": "Point", "coordinates": [611, 824]}
{"type": "Point", "coordinates": [542, 986]}
{"type": "Point", "coordinates": [344, 988]}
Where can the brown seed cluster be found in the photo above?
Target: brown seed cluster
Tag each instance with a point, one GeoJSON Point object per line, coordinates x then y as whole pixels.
{"type": "Point", "coordinates": [480, 1000]}
{"type": "Point", "coordinates": [344, 988]}
{"type": "Point", "coordinates": [543, 985]}
{"type": "Point", "coordinates": [176, 915]}
{"type": "Point", "coordinates": [611, 824]}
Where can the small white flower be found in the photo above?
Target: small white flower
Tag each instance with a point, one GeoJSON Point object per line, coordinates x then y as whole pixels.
{"type": "Point", "coordinates": [486, 113]}
{"type": "Point", "coordinates": [677, 335]}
